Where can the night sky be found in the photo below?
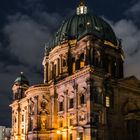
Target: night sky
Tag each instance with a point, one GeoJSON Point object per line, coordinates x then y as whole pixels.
{"type": "Point", "coordinates": [26, 25]}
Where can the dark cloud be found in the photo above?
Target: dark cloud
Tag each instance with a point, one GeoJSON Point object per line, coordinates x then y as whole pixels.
{"type": "Point", "coordinates": [25, 37]}
{"type": "Point", "coordinates": [129, 32]}
{"type": "Point", "coordinates": [26, 34]}
{"type": "Point", "coordinates": [134, 12]}
{"type": "Point", "coordinates": [135, 9]}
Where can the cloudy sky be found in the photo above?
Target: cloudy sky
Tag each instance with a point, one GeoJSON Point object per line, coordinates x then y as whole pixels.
{"type": "Point", "coordinates": [26, 25]}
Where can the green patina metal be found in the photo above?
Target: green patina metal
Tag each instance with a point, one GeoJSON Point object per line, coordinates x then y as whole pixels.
{"type": "Point", "coordinates": [78, 26]}
{"type": "Point", "coordinates": [21, 79]}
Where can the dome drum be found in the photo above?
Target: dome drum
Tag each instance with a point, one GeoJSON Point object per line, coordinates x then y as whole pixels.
{"type": "Point", "coordinates": [74, 55]}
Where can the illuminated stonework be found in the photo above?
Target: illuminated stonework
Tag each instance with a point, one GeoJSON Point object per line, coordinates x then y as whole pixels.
{"type": "Point", "coordinates": [84, 95]}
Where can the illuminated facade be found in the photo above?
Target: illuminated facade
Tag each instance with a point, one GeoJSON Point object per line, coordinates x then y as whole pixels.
{"type": "Point", "coordinates": [84, 95]}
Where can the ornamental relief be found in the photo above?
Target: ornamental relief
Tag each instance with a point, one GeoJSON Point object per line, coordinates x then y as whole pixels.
{"type": "Point", "coordinates": [83, 90]}
{"type": "Point", "coordinates": [44, 112]}
{"type": "Point", "coordinates": [60, 98]}
{"type": "Point", "coordinates": [73, 117]}
{"type": "Point", "coordinates": [60, 116]}
{"type": "Point", "coordinates": [66, 90]}
{"type": "Point", "coordinates": [130, 105]}
{"type": "Point", "coordinates": [71, 94]}
{"type": "Point", "coordinates": [31, 107]}
{"type": "Point", "coordinates": [82, 116]}
{"type": "Point", "coordinates": [43, 121]}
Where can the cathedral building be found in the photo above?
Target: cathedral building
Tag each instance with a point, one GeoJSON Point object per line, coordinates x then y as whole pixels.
{"type": "Point", "coordinates": [84, 95]}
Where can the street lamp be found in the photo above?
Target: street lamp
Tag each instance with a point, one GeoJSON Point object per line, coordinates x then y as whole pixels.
{"type": "Point", "coordinates": [58, 131]}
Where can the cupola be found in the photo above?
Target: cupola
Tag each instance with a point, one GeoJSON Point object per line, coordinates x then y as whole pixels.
{"type": "Point", "coordinates": [21, 84]}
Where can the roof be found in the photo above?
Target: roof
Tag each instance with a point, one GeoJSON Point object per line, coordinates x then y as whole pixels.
{"type": "Point", "coordinates": [132, 81]}
{"type": "Point", "coordinates": [78, 26]}
{"type": "Point", "coordinates": [21, 79]}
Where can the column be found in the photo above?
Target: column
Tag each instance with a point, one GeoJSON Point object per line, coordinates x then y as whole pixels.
{"type": "Point", "coordinates": [60, 64]}
{"type": "Point", "coordinates": [46, 72]}
{"type": "Point", "coordinates": [49, 68]}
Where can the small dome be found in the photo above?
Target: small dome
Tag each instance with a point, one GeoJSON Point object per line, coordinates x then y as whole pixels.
{"type": "Point", "coordinates": [22, 79]}
{"type": "Point", "coordinates": [81, 25]}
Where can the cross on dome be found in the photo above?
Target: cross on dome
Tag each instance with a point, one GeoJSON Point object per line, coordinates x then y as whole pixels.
{"type": "Point", "coordinates": [82, 2]}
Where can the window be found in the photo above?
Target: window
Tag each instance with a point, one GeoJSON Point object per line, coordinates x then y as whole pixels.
{"type": "Point", "coordinates": [96, 119]}
{"type": "Point", "coordinates": [113, 69]}
{"type": "Point", "coordinates": [71, 103]}
{"type": "Point", "coordinates": [22, 131]}
{"type": "Point", "coordinates": [77, 64]}
{"type": "Point", "coordinates": [15, 120]}
{"type": "Point", "coordinates": [61, 106]}
{"type": "Point", "coordinates": [59, 135]}
{"type": "Point", "coordinates": [61, 123]}
{"type": "Point", "coordinates": [107, 101]}
{"type": "Point", "coordinates": [82, 99]}
{"type": "Point", "coordinates": [70, 136]}
{"type": "Point", "coordinates": [22, 118]}
{"type": "Point", "coordinates": [71, 122]}
{"type": "Point", "coordinates": [73, 67]}
{"type": "Point", "coordinates": [80, 136]}
{"type": "Point", "coordinates": [55, 71]}
{"type": "Point", "coordinates": [58, 67]}
{"type": "Point", "coordinates": [64, 63]}
{"type": "Point", "coordinates": [95, 97]}
{"type": "Point", "coordinates": [82, 63]}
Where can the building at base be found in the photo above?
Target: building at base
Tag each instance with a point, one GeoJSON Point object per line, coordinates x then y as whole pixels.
{"type": "Point", "coordinates": [84, 95]}
{"type": "Point", "coordinates": [5, 133]}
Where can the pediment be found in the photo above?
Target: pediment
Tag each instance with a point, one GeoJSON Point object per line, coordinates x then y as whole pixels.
{"type": "Point", "coordinates": [132, 81]}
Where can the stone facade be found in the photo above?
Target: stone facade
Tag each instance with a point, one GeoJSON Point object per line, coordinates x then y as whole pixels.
{"type": "Point", "coordinates": [84, 95]}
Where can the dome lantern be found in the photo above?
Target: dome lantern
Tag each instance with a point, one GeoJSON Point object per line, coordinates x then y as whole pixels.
{"type": "Point", "coordinates": [82, 8]}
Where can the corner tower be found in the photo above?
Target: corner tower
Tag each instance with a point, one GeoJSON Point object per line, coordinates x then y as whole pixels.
{"type": "Point", "coordinates": [21, 84]}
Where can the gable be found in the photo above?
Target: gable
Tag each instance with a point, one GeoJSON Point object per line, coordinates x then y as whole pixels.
{"type": "Point", "coordinates": [131, 81]}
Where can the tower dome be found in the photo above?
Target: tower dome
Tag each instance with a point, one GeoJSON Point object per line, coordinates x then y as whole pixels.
{"type": "Point", "coordinates": [21, 79]}
{"type": "Point", "coordinates": [21, 84]}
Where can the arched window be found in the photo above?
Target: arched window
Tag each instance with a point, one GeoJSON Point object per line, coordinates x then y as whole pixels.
{"type": "Point", "coordinates": [55, 71]}
{"type": "Point", "coordinates": [113, 69]}
{"type": "Point", "coordinates": [64, 62]}
{"type": "Point", "coordinates": [73, 65]}
{"type": "Point", "coordinates": [58, 67]}
{"type": "Point", "coordinates": [97, 96]}
{"type": "Point", "coordinates": [121, 69]}
{"type": "Point", "coordinates": [82, 62]}
{"type": "Point", "coordinates": [107, 101]}
{"type": "Point", "coordinates": [52, 71]}
{"type": "Point", "coordinates": [77, 64]}
{"type": "Point", "coordinates": [82, 99]}
{"type": "Point", "coordinates": [61, 107]}
{"type": "Point", "coordinates": [71, 103]}
{"type": "Point", "coordinates": [97, 58]}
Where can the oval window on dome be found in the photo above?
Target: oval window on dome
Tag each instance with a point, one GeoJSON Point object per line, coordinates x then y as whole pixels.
{"type": "Point", "coordinates": [81, 25]}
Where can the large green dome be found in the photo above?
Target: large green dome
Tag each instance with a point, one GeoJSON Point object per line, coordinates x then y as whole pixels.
{"type": "Point", "coordinates": [82, 24]}
{"type": "Point", "coordinates": [78, 26]}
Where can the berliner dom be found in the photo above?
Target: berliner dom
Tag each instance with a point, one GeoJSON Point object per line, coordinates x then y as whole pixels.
{"type": "Point", "coordinates": [84, 95]}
